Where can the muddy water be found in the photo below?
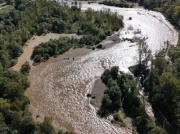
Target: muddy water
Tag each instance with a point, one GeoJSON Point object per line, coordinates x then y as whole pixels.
{"type": "Point", "coordinates": [34, 41]}
{"type": "Point", "coordinates": [59, 87]}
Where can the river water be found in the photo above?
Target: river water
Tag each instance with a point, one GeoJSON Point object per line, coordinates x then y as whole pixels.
{"type": "Point", "coordinates": [59, 87]}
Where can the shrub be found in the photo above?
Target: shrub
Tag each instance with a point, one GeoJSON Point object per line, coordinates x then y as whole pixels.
{"type": "Point", "coordinates": [117, 117]}
{"type": "Point", "coordinates": [25, 68]}
{"type": "Point", "coordinates": [37, 58]}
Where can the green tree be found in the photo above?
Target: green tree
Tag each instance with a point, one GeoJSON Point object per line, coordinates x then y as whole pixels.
{"type": "Point", "coordinates": [157, 130]}
{"type": "Point", "coordinates": [9, 2]}
{"type": "Point", "coordinates": [37, 58]}
{"type": "Point", "coordinates": [15, 50]}
{"type": "Point", "coordinates": [169, 86]}
{"type": "Point", "coordinates": [160, 64]}
{"type": "Point", "coordinates": [114, 72]}
{"type": "Point", "coordinates": [25, 68]}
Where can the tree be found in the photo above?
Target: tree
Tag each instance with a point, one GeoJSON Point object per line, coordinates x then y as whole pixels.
{"type": "Point", "coordinates": [144, 56]}
{"type": "Point", "coordinates": [106, 101]}
{"type": "Point", "coordinates": [37, 58]}
{"type": "Point", "coordinates": [15, 49]}
{"type": "Point", "coordinates": [19, 2]}
{"type": "Point", "coordinates": [4, 106]}
{"type": "Point", "coordinates": [160, 64]}
{"type": "Point", "coordinates": [106, 76]}
{"type": "Point", "coordinates": [27, 126]}
{"type": "Point", "coordinates": [4, 58]}
{"type": "Point", "coordinates": [80, 5]}
{"type": "Point", "coordinates": [114, 72]}
{"type": "Point", "coordinates": [141, 2]}
{"type": "Point", "coordinates": [12, 90]}
{"type": "Point", "coordinates": [25, 68]}
{"type": "Point", "coordinates": [157, 130]}
{"type": "Point", "coordinates": [9, 2]}
{"type": "Point", "coordinates": [169, 86]}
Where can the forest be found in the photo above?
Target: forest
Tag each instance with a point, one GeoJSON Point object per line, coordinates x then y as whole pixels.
{"type": "Point", "coordinates": [162, 80]}
{"type": "Point", "coordinates": [161, 83]}
{"type": "Point", "coordinates": [18, 24]}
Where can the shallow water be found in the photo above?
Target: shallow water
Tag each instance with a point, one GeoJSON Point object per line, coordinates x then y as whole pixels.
{"type": "Point", "coordinates": [59, 87]}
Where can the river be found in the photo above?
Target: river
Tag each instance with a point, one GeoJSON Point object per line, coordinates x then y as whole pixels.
{"type": "Point", "coordinates": [59, 87]}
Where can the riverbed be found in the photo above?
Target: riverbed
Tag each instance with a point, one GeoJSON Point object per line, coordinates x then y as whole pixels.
{"type": "Point", "coordinates": [59, 87]}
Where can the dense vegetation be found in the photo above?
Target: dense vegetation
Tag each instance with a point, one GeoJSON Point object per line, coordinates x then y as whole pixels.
{"type": "Point", "coordinates": [161, 82]}
{"type": "Point", "coordinates": [123, 93]}
{"type": "Point", "coordinates": [44, 51]}
{"type": "Point", "coordinates": [25, 68]}
{"type": "Point", "coordinates": [117, 3]}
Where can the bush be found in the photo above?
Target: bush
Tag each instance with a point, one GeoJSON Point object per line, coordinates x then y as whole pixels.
{"type": "Point", "coordinates": [114, 72]}
{"type": "Point", "coordinates": [13, 62]}
{"type": "Point", "coordinates": [117, 117]}
{"type": "Point", "coordinates": [25, 68]}
{"type": "Point", "coordinates": [46, 127]}
{"type": "Point", "coordinates": [37, 58]}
